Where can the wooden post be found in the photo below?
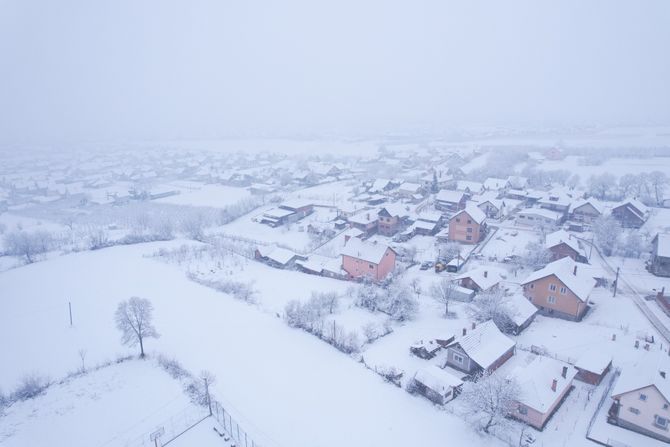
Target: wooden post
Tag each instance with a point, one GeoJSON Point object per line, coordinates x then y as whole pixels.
{"type": "Point", "coordinates": [616, 281]}
{"type": "Point", "coordinates": [69, 305]}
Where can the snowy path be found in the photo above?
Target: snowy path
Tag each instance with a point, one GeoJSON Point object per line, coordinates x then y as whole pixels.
{"type": "Point", "coordinates": [285, 385]}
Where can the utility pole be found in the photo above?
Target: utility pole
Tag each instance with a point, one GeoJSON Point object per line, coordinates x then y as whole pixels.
{"type": "Point", "coordinates": [616, 281]}
{"type": "Point", "coordinates": [69, 305]}
{"type": "Point", "coordinates": [591, 250]}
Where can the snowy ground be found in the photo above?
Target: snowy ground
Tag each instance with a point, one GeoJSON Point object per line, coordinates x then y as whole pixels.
{"type": "Point", "coordinates": [215, 196]}
{"type": "Point", "coordinates": [117, 405]}
{"type": "Point", "coordinates": [260, 363]}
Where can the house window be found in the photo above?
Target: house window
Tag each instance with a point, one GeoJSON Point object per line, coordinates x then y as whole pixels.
{"type": "Point", "coordinates": [660, 422]}
{"type": "Point", "coordinates": [469, 229]}
{"type": "Point", "coordinates": [523, 409]}
{"type": "Point", "coordinates": [458, 219]}
{"type": "Point", "coordinates": [551, 299]}
{"type": "Point", "coordinates": [665, 406]}
{"type": "Point", "coordinates": [458, 359]}
{"type": "Point", "coordinates": [371, 266]}
{"type": "Point", "coordinates": [469, 221]}
{"type": "Point", "coordinates": [643, 397]}
{"type": "Point", "coordinates": [563, 290]}
{"type": "Point", "coordinates": [552, 287]}
{"type": "Point", "coordinates": [468, 238]}
{"type": "Point", "coordinates": [633, 410]}
{"type": "Point", "coordinates": [532, 286]}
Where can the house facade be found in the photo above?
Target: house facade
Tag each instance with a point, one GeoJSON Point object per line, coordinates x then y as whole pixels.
{"type": "Point", "coordinates": [659, 263]}
{"type": "Point", "coordinates": [641, 408]}
{"type": "Point", "coordinates": [370, 260]}
{"type": "Point", "coordinates": [630, 213]}
{"type": "Point", "coordinates": [560, 289]}
{"type": "Point", "coordinates": [468, 226]}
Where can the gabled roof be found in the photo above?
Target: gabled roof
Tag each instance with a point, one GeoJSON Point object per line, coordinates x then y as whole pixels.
{"type": "Point", "coordinates": [410, 187]}
{"type": "Point", "coordinates": [364, 218]}
{"type": "Point", "coordinates": [570, 273]}
{"type": "Point", "coordinates": [580, 203]}
{"type": "Point", "coordinates": [635, 206]}
{"type": "Point", "coordinates": [484, 277]}
{"type": "Point", "coordinates": [594, 360]}
{"type": "Point", "coordinates": [277, 254]}
{"type": "Point", "coordinates": [446, 195]}
{"type": "Point", "coordinates": [437, 379]}
{"type": "Point", "coordinates": [561, 237]}
{"type": "Point", "coordinates": [462, 185]}
{"type": "Point", "coordinates": [366, 251]}
{"type": "Point", "coordinates": [380, 184]}
{"type": "Point", "coordinates": [485, 344]}
{"type": "Point", "coordinates": [535, 379]}
{"type": "Point", "coordinates": [477, 215]}
{"type": "Point", "coordinates": [295, 204]}
{"type": "Point", "coordinates": [646, 372]}
{"type": "Point", "coordinates": [521, 308]}
{"type": "Point", "coordinates": [548, 214]}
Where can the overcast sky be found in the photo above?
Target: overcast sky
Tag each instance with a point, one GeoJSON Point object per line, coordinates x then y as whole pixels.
{"type": "Point", "coordinates": [163, 69]}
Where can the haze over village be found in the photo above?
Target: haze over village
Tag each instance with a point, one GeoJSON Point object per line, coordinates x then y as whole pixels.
{"type": "Point", "coordinates": [326, 225]}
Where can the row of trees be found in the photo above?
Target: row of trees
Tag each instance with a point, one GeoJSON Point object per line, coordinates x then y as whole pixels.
{"type": "Point", "coordinates": [648, 187]}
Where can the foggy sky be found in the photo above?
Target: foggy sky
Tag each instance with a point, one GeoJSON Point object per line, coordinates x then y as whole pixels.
{"type": "Point", "coordinates": [163, 69]}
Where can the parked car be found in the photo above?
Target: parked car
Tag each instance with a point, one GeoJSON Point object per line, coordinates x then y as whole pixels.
{"type": "Point", "coordinates": [426, 265]}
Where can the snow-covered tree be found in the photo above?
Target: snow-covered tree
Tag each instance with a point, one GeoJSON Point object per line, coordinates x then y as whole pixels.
{"type": "Point", "coordinates": [606, 231]}
{"type": "Point", "coordinates": [449, 250]}
{"type": "Point", "coordinates": [133, 318]}
{"type": "Point", "coordinates": [368, 296]}
{"type": "Point", "coordinates": [494, 305]}
{"type": "Point", "coordinates": [490, 400]}
{"type": "Point", "coordinates": [443, 292]}
{"type": "Point", "coordinates": [629, 185]}
{"type": "Point", "coordinates": [600, 186]}
{"type": "Point", "coordinates": [28, 245]}
{"type": "Point", "coordinates": [400, 304]}
{"type": "Point", "coordinates": [535, 257]}
{"type": "Point", "coordinates": [658, 182]}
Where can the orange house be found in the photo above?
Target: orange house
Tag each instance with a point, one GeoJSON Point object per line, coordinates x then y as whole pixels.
{"type": "Point", "coordinates": [361, 259]}
{"type": "Point", "coordinates": [468, 225]}
{"type": "Point", "coordinates": [561, 289]}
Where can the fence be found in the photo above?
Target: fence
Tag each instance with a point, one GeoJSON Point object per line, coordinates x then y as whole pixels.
{"type": "Point", "coordinates": [231, 426]}
{"type": "Point", "coordinates": [171, 428]}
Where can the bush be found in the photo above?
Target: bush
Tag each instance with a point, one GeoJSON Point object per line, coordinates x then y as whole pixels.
{"type": "Point", "coordinates": [172, 367]}
{"type": "Point", "coordinates": [31, 385]}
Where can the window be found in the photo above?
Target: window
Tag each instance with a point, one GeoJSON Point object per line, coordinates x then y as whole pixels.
{"type": "Point", "coordinates": [468, 238]}
{"type": "Point", "coordinates": [552, 287]}
{"type": "Point", "coordinates": [469, 221]}
{"type": "Point", "coordinates": [458, 219]}
{"type": "Point", "coordinates": [643, 397]}
{"type": "Point", "coordinates": [633, 410]}
{"type": "Point", "coordinates": [532, 286]}
{"type": "Point", "coordinates": [665, 406]}
{"type": "Point", "coordinates": [458, 358]}
{"type": "Point", "coordinates": [469, 229]}
{"type": "Point", "coordinates": [563, 290]}
{"type": "Point", "coordinates": [551, 299]}
{"type": "Point", "coordinates": [660, 422]}
{"type": "Point", "coordinates": [523, 409]}
{"type": "Point", "coordinates": [371, 266]}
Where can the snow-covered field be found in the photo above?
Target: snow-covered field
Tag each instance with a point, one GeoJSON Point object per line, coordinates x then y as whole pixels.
{"type": "Point", "coordinates": [215, 196]}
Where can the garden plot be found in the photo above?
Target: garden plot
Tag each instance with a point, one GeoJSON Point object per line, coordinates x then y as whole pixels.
{"type": "Point", "coordinates": [508, 242]}
{"type": "Point", "coordinates": [293, 236]}
{"type": "Point", "coordinates": [120, 404]}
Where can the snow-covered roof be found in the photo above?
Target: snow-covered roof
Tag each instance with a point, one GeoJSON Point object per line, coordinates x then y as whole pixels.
{"type": "Point", "coordinates": [437, 379]}
{"type": "Point", "coordinates": [663, 245]}
{"type": "Point", "coordinates": [277, 213]}
{"type": "Point", "coordinates": [542, 212]}
{"type": "Point", "coordinates": [296, 204]}
{"type": "Point", "coordinates": [535, 379]}
{"type": "Point", "coordinates": [318, 263]}
{"type": "Point", "coordinates": [364, 218]}
{"type": "Point", "coordinates": [639, 208]}
{"type": "Point", "coordinates": [367, 251]}
{"type": "Point", "coordinates": [495, 183]}
{"type": "Point", "coordinates": [477, 215]}
{"type": "Point", "coordinates": [521, 308]}
{"type": "Point", "coordinates": [410, 187]}
{"type": "Point", "coordinates": [485, 344]}
{"type": "Point", "coordinates": [430, 226]}
{"type": "Point", "coordinates": [561, 237]}
{"type": "Point", "coordinates": [446, 195]}
{"type": "Point", "coordinates": [578, 280]}
{"type": "Point", "coordinates": [485, 277]}
{"type": "Point", "coordinates": [278, 254]}
{"type": "Point", "coordinates": [594, 360]}
{"type": "Point", "coordinates": [593, 202]}
{"type": "Point", "coordinates": [380, 184]}
{"type": "Point", "coordinates": [430, 216]}
{"type": "Point", "coordinates": [462, 185]}
{"type": "Point", "coordinates": [646, 372]}
{"type": "Point", "coordinates": [395, 209]}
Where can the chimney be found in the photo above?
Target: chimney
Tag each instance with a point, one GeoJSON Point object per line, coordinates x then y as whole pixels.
{"type": "Point", "coordinates": [661, 293]}
{"type": "Point", "coordinates": [486, 274]}
{"type": "Point", "coordinates": [574, 271]}
{"type": "Point", "coordinates": [554, 383]}
{"type": "Point", "coordinates": [564, 373]}
{"type": "Point", "coordinates": [474, 325]}
{"type": "Point", "coordinates": [367, 216]}
{"type": "Point", "coordinates": [465, 331]}
{"type": "Point", "coordinates": [662, 373]}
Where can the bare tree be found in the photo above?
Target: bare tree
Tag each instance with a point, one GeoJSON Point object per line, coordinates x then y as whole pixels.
{"type": "Point", "coordinates": [82, 356]}
{"type": "Point", "coordinates": [28, 245]}
{"type": "Point", "coordinates": [606, 231]}
{"type": "Point", "coordinates": [443, 292]}
{"type": "Point", "coordinates": [536, 256]}
{"type": "Point", "coordinates": [415, 284]}
{"type": "Point", "coordinates": [494, 305]}
{"type": "Point", "coordinates": [491, 399]}
{"type": "Point", "coordinates": [133, 319]}
{"type": "Point", "coordinates": [658, 181]}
